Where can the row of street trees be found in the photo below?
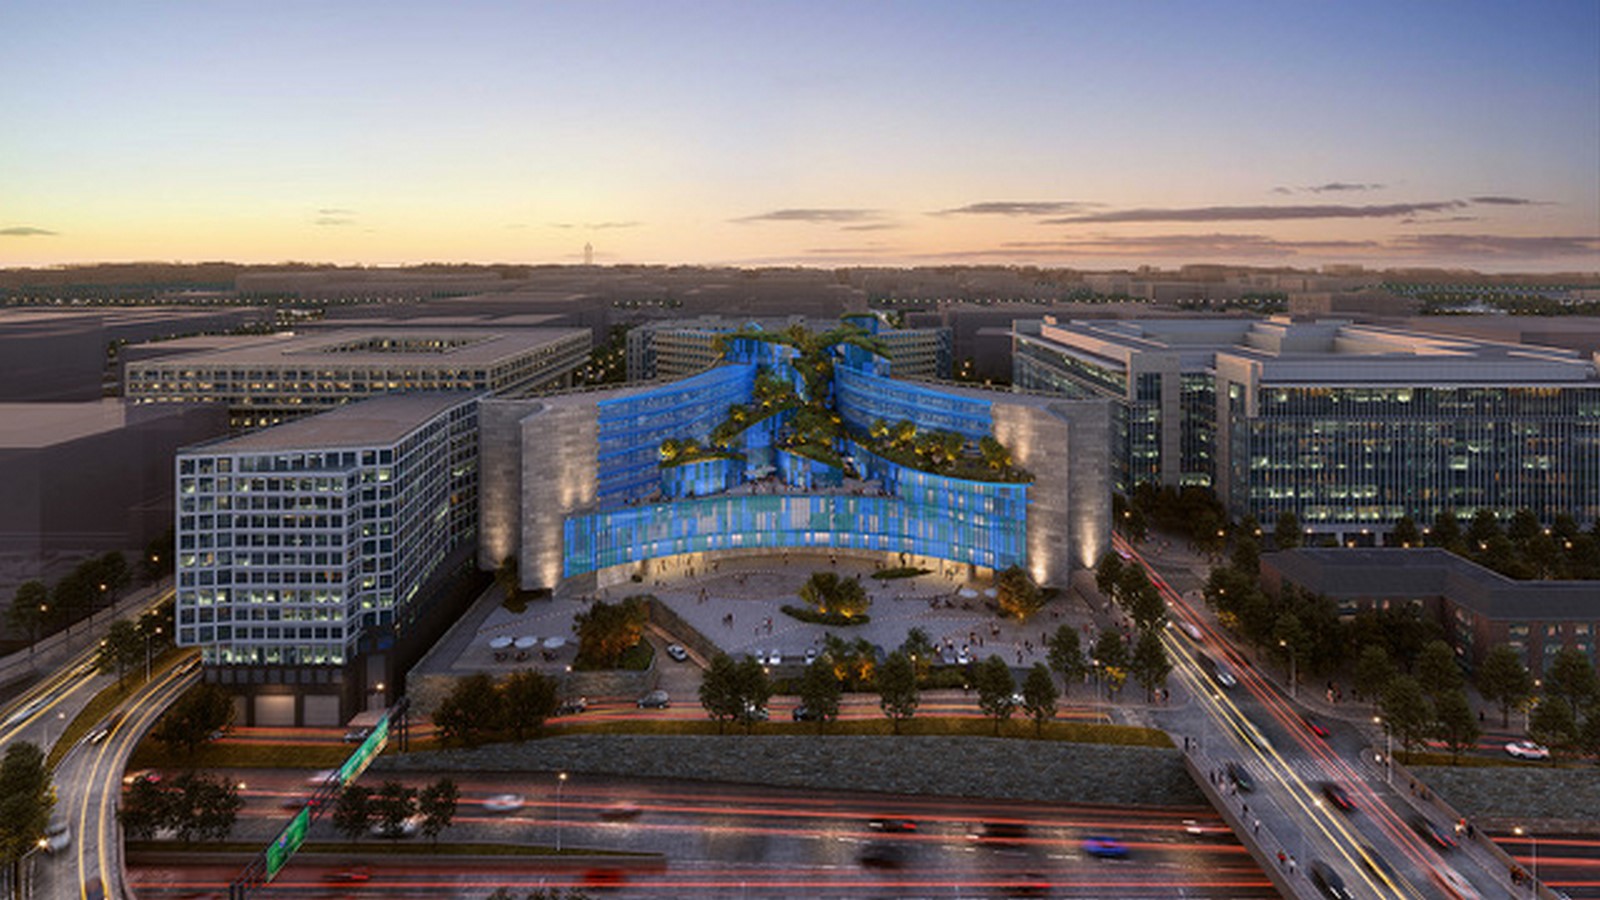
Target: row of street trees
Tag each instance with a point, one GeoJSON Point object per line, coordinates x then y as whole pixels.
{"type": "Point", "coordinates": [193, 806]}
{"type": "Point", "coordinates": [360, 809]}
{"type": "Point", "coordinates": [1127, 585]}
{"type": "Point", "coordinates": [26, 798]}
{"type": "Point", "coordinates": [479, 708]}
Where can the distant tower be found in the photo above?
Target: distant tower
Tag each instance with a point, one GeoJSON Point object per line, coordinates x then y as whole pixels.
{"type": "Point", "coordinates": [588, 254]}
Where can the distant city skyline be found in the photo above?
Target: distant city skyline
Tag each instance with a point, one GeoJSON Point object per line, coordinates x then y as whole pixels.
{"type": "Point", "coordinates": [824, 133]}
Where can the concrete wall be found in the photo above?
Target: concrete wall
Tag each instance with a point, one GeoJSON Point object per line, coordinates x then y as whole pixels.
{"type": "Point", "coordinates": [560, 473]}
{"type": "Point", "coordinates": [1066, 447]}
{"type": "Point", "coordinates": [500, 478]}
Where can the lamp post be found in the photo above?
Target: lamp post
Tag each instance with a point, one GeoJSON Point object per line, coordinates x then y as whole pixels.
{"type": "Point", "coordinates": [1388, 749]}
{"type": "Point", "coordinates": [60, 717]}
{"type": "Point", "coordinates": [561, 780]}
{"type": "Point", "coordinates": [147, 638]}
{"type": "Point", "coordinates": [1294, 682]}
{"type": "Point", "coordinates": [1533, 885]}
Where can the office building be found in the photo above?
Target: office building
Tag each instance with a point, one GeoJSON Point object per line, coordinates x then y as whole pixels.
{"type": "Point", "coordinates": [1347, 426]}
{"type": "Point", "coordinates": [276, 378]}
{"type": "Point", "coordinates": [308, 546]}
{"type": "Point", "coordinates": [681, 347]}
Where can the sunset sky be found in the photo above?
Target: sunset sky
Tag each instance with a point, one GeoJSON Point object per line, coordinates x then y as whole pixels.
{"type": "Point", "coordinates": [820, 133]}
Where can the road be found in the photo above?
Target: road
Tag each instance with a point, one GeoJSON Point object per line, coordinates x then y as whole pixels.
{"type": "Point", "coordinates": [1375, 848]}
{"type": "Point", "coordinates": [736, 841]}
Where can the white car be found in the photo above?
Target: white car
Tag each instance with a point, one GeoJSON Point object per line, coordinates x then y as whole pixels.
{"type": "Point", "coordinates": [677, 652]}
{"type": "Point", "coordinates": [408, 828]}
{"type": "Point", "coordinates": [503, 803]}
{"type": "Point", "coordinates": [774, 658]}
{"type": "Point", "coordinates": [1528, 750]}
{"type": "Point", "coordinates": [1193, 631]}
{"type": "Point", "coordinates": [57, 837]}
{"type": "Point", "coordinates": [811, 655]}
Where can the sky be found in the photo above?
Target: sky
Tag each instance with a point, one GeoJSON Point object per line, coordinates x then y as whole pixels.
{"type": "Point", "coordinates": [1090, 135]}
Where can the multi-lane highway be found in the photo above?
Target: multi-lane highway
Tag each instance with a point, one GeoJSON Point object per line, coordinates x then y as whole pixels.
{"type": "Point", "coordinates": [705, 840]}
{"type": "Point", "coordinates": [1375, 848]}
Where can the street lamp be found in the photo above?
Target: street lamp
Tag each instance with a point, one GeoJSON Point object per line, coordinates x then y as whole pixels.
{"type": "Point", "coordinates": [1388, 748]}
{"type": "Point", "coordinates": [147, 637]}
{"type": "Point", "coordinates": [561, 780]}
{"type": "Point", "coordinates": [1519, 831]}
{"type": "Point", "coordinates": [1294, 683]}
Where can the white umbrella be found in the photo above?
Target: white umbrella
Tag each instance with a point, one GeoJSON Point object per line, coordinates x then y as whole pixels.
{"type": "Point", "coordinates": [990, 592]}
{"type": "Point", "coordinates": [554, 643]}
{"type": "Point", "coordinates": [968, 593]}
{"type": "Point", "coordinates": [499, 643]}
{"type": "Point", "coordinates": [527, 642]}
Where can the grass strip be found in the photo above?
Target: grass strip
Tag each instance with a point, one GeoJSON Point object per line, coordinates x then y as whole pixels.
{"type": "Point", "coordinates": [382, 848]}
{"type": "Point", "coordinates": [107, 700]}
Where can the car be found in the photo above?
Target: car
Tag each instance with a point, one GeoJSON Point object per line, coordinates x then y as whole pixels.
{"type": "Point", "coordinates": [408, 827]}
{"type": "Point", "coordinates": [753, 713]}
{"type": "Point", "coordinates": [620, 811]}
{"type": "Point", "coordinates": [57, 837]}
{"type": "Point", "coordinates": [357, 735]}
{"type": "Point", "coordinates": [349, 875]}
{"type": "Point", "coordinates": [1192, 630]}
{"type": "Point", "coordinates": [1528, 750]}
{"type": "Point", "coordinates": [1000, 833]}
{"type": "Point", "coordinates": [1253, 734]}
{"type": "Point", "coordinates": [882, 856]}
{"type": "Point", "coordinates": [189, 666]}
{"type": "Point", "coordinates": [677, 652]}
{"type": "Point", "coordinates": [24, 712]}
{"type": "Point", "coordinates": [1240, 777]}
{"type": "Point", "coordinates": [963, 657]}
{"type": "Point", "coordinates": [811, 655]}
{"type": "Point", "coordinates": [1316, 728]}
{"type": "Point", "coordinates": [1328, 881]}
{"type": "Point", "coordinates": [1432, 833]}
{"type": "Point", "coordinates": [1338, 796]}
{"type": "Point", "coordinates": [892, 826]}
{"type": "Point", "coordinates": [803, 713]}
{"type": "Point", "coordinates": [503, 803]}
{"type": "Point", "coordinates": [321, 776]}
{"type": "Point", "coordinates": [655, 700]}
{"type": "Point", "coordinates": [1192, 826]}
{"type": "Point", "coordinates": [774, 658]}
{"type": "Point", "coordinates": [295, 801]}
{"type": "Point", "coordinates": [1453, 885]}
{"type": "Point", "coordinates": [142, 776]}
{"type": "Point", "coordinates": [99, 734]}
{"type": "Point", "coordinates": [572, 706]}
{"type": "Point", "coordinates": [1103, 847]}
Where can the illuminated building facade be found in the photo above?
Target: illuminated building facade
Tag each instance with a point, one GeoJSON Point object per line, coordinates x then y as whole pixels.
{"type": "Point", "coordinates": [1347, 426]}
{"type": "Point", "coordinates": [682, 347]}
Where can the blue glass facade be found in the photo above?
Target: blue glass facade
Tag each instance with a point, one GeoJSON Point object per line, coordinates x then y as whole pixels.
{"type": "Point", "coordinates": [863, 397]}
{"type": "Point", "coordinates": [633, 427]}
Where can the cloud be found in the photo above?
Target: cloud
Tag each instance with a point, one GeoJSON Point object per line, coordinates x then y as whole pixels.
{"type": "Point", "coordinates": [1259, 213]}
{"type": "Point", "coordinates": [871, 226]}
{"type": "Point", "coordinates": [1417, 221]}
{"type": "Point", "coordinates": [26, 231]}
{"type": "Point", "coordinates": [1282, 190]}
{"type": "Point", "coordinates": [333, 220]}
{"type": "Point", "coordinates": [1018, 208]}
{"type": "Point", "coordinates": [1344, 186]}
{"type": "Point", "coordinates": [822, 216]}
{"type": "Point", "coordinates": [335, 211]}
{"type": "Point", "coordinates": [601, 226]}
{"type": "Point", "coordinates": [1197, 244]}
{"type": "Point", "coordinates": [1500, 245]}
{"type": "Point", "coordinates": [1505, 201]}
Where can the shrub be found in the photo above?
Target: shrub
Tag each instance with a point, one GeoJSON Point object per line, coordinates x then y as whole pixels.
{"type": "Point", "coordinates": [899, 572]}
{"type": "Point", "coordinates": [819, 618]}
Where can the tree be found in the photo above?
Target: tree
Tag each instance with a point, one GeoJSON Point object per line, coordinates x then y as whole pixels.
{"type": "Point", "coordinates": [607, 630]}
{"type": "Point", "coordinates": [1039, 696]}
{"type": "Point", "coordinates": [820, 691]}
{"type": "Point", "coordinates": [1247, 555]}
{"type": "Point", "coordinates": [897, 689]}
{"type": "Point", "coordinates": [159, 555]}
{"type": "Point", "coordinates": [1136, 525]}
{"type": "Point", "coordinates": [1503, 679]}
{"type": "Point", "coordinates": [1016, 593]}
{"type": "Point", "coordinates": [1406, 533]}
{"type": "Point", "coordinates": [1446, 531]}
{"type": "Point", "coordinates": [1373, 672]}
{"type": "Point", "coordinates": [352, 811]}
{"type": "Point", "coordinates": [829, 593]}
{"type": "Point", "coordinates": [394, 803]}
{"type": "Point", "coordinates": [1483, 529]}
{"type": "Point", "coordinates": [1455, 724]}
{"type": "Point", "coordinates": [1405, 709]}
{"type": "Point", "coordinates": [472, 710]}
{"type": "Point", "coordinates": [1437, 670]}
{"type": "Point", "coordinates": [204, 710]}
{"type": "Point", "coordinates": [1108, 574]}
{"type": "Point", "coordinates": [145, 809]}
{"type": "Point", "coordinates": [113, 574]}
{"type": "Point", "coordinates": [1288, 533]}
{"type": "Point", "coordinates": [1150, 666]}
{"type": "Point", "coordinates": [26, 798]}
{"type": "Point", "coordinates": [1524, 525]}
{"type": "Point", "coordinates": [1111, 658]}
{"type": "Point", "coordinates": [753, 689]}
{"type": "Point", "coordinates": [1146, 608]}
{"type": "Point", "coordinates": [529, 699]}
{"type": "Point", "coordinates": [1132, 581]}
{"type": "Point", "coordinates": [719, 691]}
{"type": "Point", "coordinates": [30, 606]}
{"type": "Point", "coordinates": [437, 805]}
{"type": "Point", "coordinates": [994, 453]}
{"type": "Point", "coordinates": [1066, 656]}
{"type": "Point", "coordinates": [203, 807]}
{"type": "Point", "coordinates": [1553, 724]}
{"type": "Point", "coordinates": [920, 649]}
{"type": "Point", "coordinates": [996, 688]}
{"type": "Point", "coordinates": [1570, 677]}
{"type": "Point", "coordinates": [121, 649]}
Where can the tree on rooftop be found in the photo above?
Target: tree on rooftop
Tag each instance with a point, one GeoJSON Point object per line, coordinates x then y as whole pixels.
{"type": "Point", "coordinates": [995, 454]}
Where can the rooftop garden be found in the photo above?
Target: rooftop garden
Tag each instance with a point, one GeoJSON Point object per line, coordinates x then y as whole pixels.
{"type": "Point", "coordinates": [681, 453]}
{"type": "Point", "coordinates": [942, 452]}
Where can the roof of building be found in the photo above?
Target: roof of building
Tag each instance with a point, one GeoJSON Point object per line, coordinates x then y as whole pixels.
{"type": "Point", "coordinates": [35, 425]}
{"type": "Point", "coordinates": [1408, 574]}
{"type": "Point", "coordinates": [376, 422]}
{"type": "Point", "coordinates": [379, 347]}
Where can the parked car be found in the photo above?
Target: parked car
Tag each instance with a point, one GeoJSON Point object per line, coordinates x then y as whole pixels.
{"type": "Point", "coordinates": [802, 713]}
{"type": "Point", "coordinates": [1528, 750]}
{"type": "Point", "coordinates": [1103, 847]}
{"type": "Point", "coordinates": [811, 655]}
{"type": "Point", "coordinates": [408, 827]}
{"type": "Point", "coordinates": [357, 735]}
{"type": "Point", "coordinates": [1432, 833]}
{"type": "Point", "coordinates": [1338, 796]}
{"type": "Point", "coordinates": [774, 657]}
{"type": "Point", "coordinates": [655, 700]}
{"type": "Point", "coordinates": [1328, 881]}
{"type": "Point", "coordinates": [503, 803]}
{"type": "Point", "coordinates": [572, 706]}
{"type": "Point", "coordinates": [755, 713]}
{"type": "Point", "coordinates": [1240, 777]}
{"type": "Point", "coordinates": [677, 652]}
